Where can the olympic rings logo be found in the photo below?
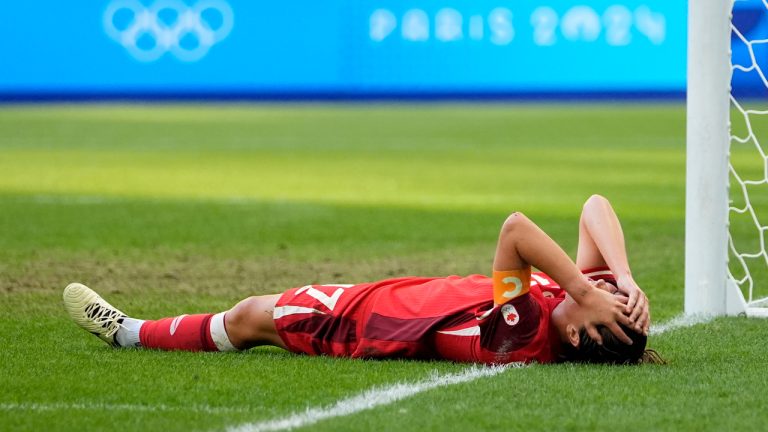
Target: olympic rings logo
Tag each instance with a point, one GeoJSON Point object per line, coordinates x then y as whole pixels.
{"type": "Point", "coordinates": [168, 26]}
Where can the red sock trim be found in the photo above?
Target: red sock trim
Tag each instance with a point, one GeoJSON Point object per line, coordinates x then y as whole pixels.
{"type": "Point", "coordinates": [206, 340]}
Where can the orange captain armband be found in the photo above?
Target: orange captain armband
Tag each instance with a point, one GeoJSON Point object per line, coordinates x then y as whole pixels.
{"type": "Point", "coordinates": [509, 284]}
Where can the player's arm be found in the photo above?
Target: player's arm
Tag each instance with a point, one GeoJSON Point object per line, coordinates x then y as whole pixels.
{"type": "Point", "coordinates": [521, 245]}
{"type": "Point", "coordinates": [601, 243]}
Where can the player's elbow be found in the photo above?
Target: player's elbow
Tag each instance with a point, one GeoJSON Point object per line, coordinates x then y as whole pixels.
{"type": "Point", "coordinates": [595, 200]}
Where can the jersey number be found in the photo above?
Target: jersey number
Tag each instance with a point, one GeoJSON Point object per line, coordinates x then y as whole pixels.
{"type": "Point", "coordinates": [328, 301]}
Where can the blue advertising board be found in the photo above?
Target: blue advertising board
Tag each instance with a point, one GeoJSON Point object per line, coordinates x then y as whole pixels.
{"type": "Point", "coordinates": [344, 48]}
{"type": "Point", "coordinates": [749, 50]}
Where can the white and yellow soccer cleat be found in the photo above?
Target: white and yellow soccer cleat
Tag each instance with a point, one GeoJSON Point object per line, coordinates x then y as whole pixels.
{"type": "Point", "coordinates": [93, 313]}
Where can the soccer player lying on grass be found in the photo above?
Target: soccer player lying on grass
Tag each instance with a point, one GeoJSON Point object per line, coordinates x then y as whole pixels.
{"type": "Point", "coordinates": [588, 311]}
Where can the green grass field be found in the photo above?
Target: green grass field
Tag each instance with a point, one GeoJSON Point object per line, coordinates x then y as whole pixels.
{"type": "Point", "coordinates": [174, 209]}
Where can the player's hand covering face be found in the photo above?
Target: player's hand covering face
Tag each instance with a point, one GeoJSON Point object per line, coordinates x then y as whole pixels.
{"type": "Point", "coordinates": [641, 321]}
{"type": "Point", "coordinates": [601, 308]}
{"type": "Point", "coordinates": [637, 307]}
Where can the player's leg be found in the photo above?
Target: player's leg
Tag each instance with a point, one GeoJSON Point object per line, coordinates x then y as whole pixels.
{"type": "Point", "coordinates": [247, 325]}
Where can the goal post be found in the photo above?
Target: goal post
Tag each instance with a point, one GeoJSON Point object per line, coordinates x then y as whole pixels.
{"type": "Point", "coordinates": [710, 289]}
{"type": "Point", "coordinates": [707, 144]}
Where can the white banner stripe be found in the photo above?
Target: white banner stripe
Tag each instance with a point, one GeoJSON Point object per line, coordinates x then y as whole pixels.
{"type": "Point", "coordinates": [369, 399]}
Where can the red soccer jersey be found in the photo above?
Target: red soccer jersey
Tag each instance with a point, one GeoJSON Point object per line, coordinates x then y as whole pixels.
{"type": "Point", "coordinates": [451, 318]}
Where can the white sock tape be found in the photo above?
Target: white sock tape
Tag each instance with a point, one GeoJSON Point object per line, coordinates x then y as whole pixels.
{"type": "Point", "coordinates": [219, 333]}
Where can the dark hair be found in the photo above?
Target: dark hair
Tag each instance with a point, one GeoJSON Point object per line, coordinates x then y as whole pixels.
{"type": "Point", "coordinates": [612, 351]}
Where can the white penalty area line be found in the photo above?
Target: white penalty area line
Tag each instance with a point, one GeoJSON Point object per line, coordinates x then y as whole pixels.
{"type": "Point", "coordinates": [369, 399]}
{"type": "Point", "coordinates": [66, 406]}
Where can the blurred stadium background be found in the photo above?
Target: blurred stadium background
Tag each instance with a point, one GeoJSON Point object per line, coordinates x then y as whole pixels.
{"type": "Point", "coordinates": [343, 49]}
{"type": "Point", "coordinates": [238, 49]}
{"type": "Point", "coordinates": [179, 155]}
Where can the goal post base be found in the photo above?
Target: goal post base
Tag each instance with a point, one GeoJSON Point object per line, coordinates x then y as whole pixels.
{"type": "Point", "coordinates": [754, 312]}
{"type": "Point", "coordinates": [734, 299]}
{"type": "Point", "coordinates": [735, 305]}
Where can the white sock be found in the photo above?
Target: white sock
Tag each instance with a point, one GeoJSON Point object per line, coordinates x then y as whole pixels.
{"type": "Point", "coordinates": [128, 334]}
{"type": "Point", "coordinates": [219, 333]}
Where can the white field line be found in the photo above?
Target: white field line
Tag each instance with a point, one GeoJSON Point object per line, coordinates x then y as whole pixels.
{"type": "Point", "coordinates": [380, 396]}
{"type": "Point", "coordinates": [679, 321]}
{"type": "Point", "coordinates": [66, 406]}
{"type": "Point", "coordinates": [369, 399]}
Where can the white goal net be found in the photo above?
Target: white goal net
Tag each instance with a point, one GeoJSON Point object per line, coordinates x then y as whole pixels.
{"type": "Point", "coordinates": [748, 166]}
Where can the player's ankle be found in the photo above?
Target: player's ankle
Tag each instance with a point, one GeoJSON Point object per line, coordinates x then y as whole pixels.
{"type": "Point", "coordinates": [128, 334]}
